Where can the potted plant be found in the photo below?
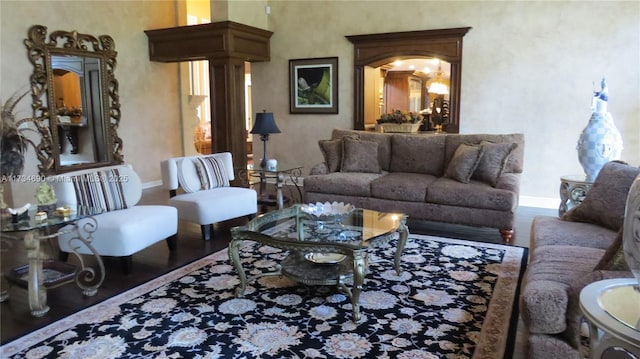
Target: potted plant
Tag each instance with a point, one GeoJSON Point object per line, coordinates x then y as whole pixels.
{"type": "Point", "coordinates": [398, 121]}
{"type": "Point", "coordinates": [13, 142]}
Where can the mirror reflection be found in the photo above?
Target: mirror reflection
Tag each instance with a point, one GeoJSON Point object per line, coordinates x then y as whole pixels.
{"type": "Point", "coordinates": [414, 85]}
{"type": "Point", "coordinates": [78, 103]}
{"type": "Point", "coordinates": [75, 100]}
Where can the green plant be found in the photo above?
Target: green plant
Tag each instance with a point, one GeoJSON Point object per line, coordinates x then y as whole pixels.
{"type": "Point", "coordinates": [398, 116]}
{"type": "Point", "coordinates": [13, 142]}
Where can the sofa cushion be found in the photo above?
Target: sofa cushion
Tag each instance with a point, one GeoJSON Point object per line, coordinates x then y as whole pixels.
{"type": "Point", "coordinates": [606, 200]}
{"type": "Point", "coordinates": [341, 183]}
{"type": "Point", "coordinates": [332, 152]}
{"type": "Point", "coordinates": [493, 161]}
{"type": "Point", "coordinates": [359, 156]}
{"type": "Point", "coordinates": [417, 154]}
{"type": "Point", "coordinates": [402, 186]}
{"type": "Point", "coordinates": [464, 162]}
{"type": "Point", "coordinates": [188, 175]}
{"type": "Point", "coordinates": [100, 189]}
{"type": "Point", "coordinates": [212, 172]}
{"type": "Point", "coordinates": [475, 194]}
{"type": "Point", "coordinates": [382, 139]}
{"type": "Point", "coordinates": [515, 162]}
{"type": "Point", "coordinates": [549, 230]}
{"type": "Point", "coordinates": [613, 258]}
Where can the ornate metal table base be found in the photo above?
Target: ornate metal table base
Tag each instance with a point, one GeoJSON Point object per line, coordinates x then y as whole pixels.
{"type": "Point", "coordinates": [573, 190]}
{"type": "Point", "coordinates": [298, 268]}
{"type": "Point", "coordinates": [87, 278]}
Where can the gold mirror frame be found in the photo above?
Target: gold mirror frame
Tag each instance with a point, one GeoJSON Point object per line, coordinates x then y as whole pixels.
{"type": "Point", "coordinates": [44, 103]}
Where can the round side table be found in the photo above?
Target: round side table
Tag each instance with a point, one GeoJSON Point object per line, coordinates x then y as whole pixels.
{"type": "Point", "coordinates": [573, 190]}
{"type": "Point", "coordinates": [612, 308]}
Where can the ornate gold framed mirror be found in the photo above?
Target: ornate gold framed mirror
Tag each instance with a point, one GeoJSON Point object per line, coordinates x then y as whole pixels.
{"type": "Point", "coordinates": [75, 100]}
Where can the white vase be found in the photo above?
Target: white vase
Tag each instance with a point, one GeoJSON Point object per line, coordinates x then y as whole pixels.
{"type": "Point", "coordinates": [600, 141]}
{"type": "Point", "coordinates": [631, 230]}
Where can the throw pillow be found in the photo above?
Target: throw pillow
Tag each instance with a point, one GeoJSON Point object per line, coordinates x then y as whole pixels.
{"type": "Point", "coordinates": [212, 172]}
{"type": "Point", "coordinates": [613, 258]}
{"type": "Point", "coordinates": [359, 156]}
{"type": "Point", "coordinates": [493, 161]}
{"type": "Point", "coordinates": [332, 152]}
{"type": "Point", "coordinates": [464, 162]}
{"type": "Point", "coordinates": [605, 202]}
{"type": "Point", "coordinates": [100, 189]}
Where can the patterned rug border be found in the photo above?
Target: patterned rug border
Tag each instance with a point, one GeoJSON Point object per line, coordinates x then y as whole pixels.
{"type": "Point", "coordinates": [493, 342]}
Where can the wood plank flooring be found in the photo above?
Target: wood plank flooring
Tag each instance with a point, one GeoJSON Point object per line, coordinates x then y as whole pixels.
{"type": "Point", "coordinates": [15, 319]}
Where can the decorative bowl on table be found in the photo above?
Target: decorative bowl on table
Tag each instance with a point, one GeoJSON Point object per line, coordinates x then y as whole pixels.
{"type": "Point", "coordinates": [327, 212]}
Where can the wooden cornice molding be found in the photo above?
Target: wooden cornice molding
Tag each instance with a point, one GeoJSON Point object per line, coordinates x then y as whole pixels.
{"type": "Point", "coordinates": [224, 39]}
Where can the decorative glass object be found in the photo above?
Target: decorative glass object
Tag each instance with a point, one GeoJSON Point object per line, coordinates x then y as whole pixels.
{"type": "Point", "coordinates": [599, 142]}
{"type": "Point", "coordinates": [327, 212]}
{"type": "Point", "coordinates": [631, 230]}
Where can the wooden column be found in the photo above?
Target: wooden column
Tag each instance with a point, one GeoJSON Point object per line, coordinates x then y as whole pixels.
{"type": "Point", "coordinates": [226, 45]}
{"type": "Point", "coordinates": [228, 129]}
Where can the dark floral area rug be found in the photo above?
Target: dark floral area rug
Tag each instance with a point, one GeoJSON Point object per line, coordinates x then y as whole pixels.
{"type": "Point", "coordinates": [454, 299]}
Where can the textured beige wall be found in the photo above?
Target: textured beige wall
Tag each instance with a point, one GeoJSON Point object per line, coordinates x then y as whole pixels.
{"type": "Point", "coordinates": [527, 67]}
{"type": "Point", "coordinates": [148, 90]}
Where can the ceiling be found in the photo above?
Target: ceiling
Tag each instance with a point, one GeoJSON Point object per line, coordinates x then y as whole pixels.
{"type": "Point", "coordinates": [423, 65]}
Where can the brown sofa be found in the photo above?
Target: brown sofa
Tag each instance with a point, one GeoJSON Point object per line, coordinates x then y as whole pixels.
{"type": "Point", "coordinates": [452, 178]}
{"type": "Point", "coordinates": [566, 254]}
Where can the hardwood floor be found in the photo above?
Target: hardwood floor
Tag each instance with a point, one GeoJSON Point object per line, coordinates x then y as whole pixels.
{"type": "Point", "coordinates": [15, 319]}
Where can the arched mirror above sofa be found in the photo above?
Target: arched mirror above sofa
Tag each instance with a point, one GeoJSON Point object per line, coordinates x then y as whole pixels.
{"type": "Point", "coordinates": [75, 100]}
{"type": "Point", "coordinates": [377, 50]}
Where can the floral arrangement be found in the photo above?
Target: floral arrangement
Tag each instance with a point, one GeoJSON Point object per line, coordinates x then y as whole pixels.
{"type": "Point", "coordinates": [398, 116]}
{"type": "Point", "coordinates": [73, 111]}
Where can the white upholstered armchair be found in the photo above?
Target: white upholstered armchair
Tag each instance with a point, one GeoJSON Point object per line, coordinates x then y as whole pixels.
{"type": "Point", "coordinates": [124, 227]}
{"type": "Point", "coordinates": [199, 188]}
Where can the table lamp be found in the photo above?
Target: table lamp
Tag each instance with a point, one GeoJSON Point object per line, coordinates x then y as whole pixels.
{"type": "Point", "coordinates": [264, 125]}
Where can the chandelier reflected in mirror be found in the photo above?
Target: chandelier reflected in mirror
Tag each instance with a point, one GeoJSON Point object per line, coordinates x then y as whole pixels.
{"type": "Point", "coordinates": [438, 86]}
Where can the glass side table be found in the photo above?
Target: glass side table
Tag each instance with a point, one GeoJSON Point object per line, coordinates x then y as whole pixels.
{"type": "Point", "coordinates": [278, 173]}
{"type": "Point", "coordinates": [612, 308]}
{"type": "Point", "coordinates": [573, 190]}
{"type": "Point", "coordinates": [42, 272]}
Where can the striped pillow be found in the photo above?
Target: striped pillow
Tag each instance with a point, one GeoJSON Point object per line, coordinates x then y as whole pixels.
{"type": "Point", "coordinates": [100, 189]}
{"type": "Point", "coordinates": [212, 172]}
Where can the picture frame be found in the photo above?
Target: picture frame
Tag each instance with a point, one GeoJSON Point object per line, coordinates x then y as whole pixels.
{"type": "Point", "coordinates": [313, 85]}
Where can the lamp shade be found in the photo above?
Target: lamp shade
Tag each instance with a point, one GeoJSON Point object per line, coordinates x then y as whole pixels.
{"type": "Point", "coordinates": [265, 124]}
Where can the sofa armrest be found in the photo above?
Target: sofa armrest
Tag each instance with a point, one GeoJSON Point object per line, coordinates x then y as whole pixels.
{"type": "Point", "coordinates": [543, 306]}
{"type": "Point", "coordinates": [319, 169]}
{"type": "Point", "coordinates": [574, 313]}
{"type": "Point", "coordinates": [509, 181]}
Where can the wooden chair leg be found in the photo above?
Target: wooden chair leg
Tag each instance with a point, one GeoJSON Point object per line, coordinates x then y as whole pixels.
{"type": "Point", "coordinates": [127, 264]}
{"type": "Point", "coordinates": [206, 231]}
{"type": "Point", "coordinates": [507, 235]}
{"type": "Point", "coordinates": [171, 242]}
{"type": "Point", "coordinates": [63, 256]}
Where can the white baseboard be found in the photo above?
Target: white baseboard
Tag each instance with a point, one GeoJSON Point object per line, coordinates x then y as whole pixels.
{"type": "Point", "coordinates": [539, 202]}
{"type": "Point", "coordinates": [147, 185]}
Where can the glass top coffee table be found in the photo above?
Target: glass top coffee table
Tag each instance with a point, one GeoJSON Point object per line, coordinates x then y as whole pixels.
{"type": "Point", "coordinates": [322, 253]}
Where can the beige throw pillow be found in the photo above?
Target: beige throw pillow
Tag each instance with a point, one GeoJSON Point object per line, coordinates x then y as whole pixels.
{"type": "Point", "coordinates": [464, 162]}
{"type": "Point", "coordinates": [359, 156]}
